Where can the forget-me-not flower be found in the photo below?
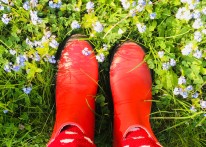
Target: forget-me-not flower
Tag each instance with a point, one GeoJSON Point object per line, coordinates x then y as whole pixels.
{"type": "Point", "coordinates": [152, 15]}
{"type": "Point", "coordinates": [27, 90]}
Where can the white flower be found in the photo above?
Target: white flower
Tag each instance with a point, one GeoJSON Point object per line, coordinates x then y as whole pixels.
{"type": "Point", "coordinates": [161, 54]}
{"type": "Point", "coordinates": [89, 6]}
{"type": "Point", "coordinates": [187, 49]}
{"type": "Point", "coordinates": [204, 10]}
{"type": "Point", "coordinates": [54, 43]}
{"type": "Point", "coordinates": [204, 31]}
{"type": "Point", "coordinates": [33, 3]}
{"type": "Point", "coordinates": [120, 31]}
{"type": "Point", "coordinates": [132, 12]}
{"type": "Point", "coordinates": [26, 5]}
{"type": "Point", "coordinates": [75, 25]}
{"type": "Point", "coordinates": [5, 1]}
{"type": "Point", "coordinates": [100, 57]}
{"type": "Point", "coordinates": [203, 104]}
{"type": "Point", "coordinates": [196, 14]}
{"type": "Point", "coordinates": [141, 27]}
{"type": "Point", "coordinates": [34, 18]}
{"type": "Point", "coordinates": [193, 109]}
{"type": "Point", "coordinates": [172, 62]}
{"type": "Point", "coordinates": [12, 52]}
{"type": "Point", "coordinates": [98, 27]}
{"type": "Point", "coordinates": [184, 94]}
{"type": "Point", "coordinates": [198, 36]}
{"type": "Point", "coordinates": [139, 8]}
{"type": "Point", "coordinates": [198, 54]}
{"type": "Point", "coordinates": [181, 80]}
{"type": "Point", "coordinates": [5, 19]}
{"type": "Point", "coordinates": [183, 14]}
{"type": "Point", "coordinates": [165, 66]}
{"type": "Point", "coordinates": [125, 4]}
{"type": "Point", "coordinates": [86, 52]}
{"type": "Point", "coordinates": [105, 47]}
{"type": "Point", "coordinates": [176, 91]}
{"type": "Point", "coordinates": [31, 44]}
{"type": "Point", "coordinates": [197, 24]}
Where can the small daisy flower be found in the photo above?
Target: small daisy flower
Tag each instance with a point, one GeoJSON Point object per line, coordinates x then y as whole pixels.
{"type": "Point", "coordinates": [100, 57]}
{"type": "Point", "coordinates": [203, 104]}
{"type": "Point", "coordinates": [198, 36]}
{"type": "Point", "coordinates": [195, 95]}
{"type": "Point", "coordinates": [141, 27]}
{"type": "Point", "coordinates": [90, 6]}
{"type": "Point", "coordinates": [161, 54]}
{"type": "Point", "coordinates": [181, 80]}
{"type": "Point", "coordinates": [165, 66]}
{"type": "Point", "coordinates": [86, 52]}
{"type": "Point", "coordinates": [152, 15]}
{"type": "Point", "coordinates": [27, 90]}
{"type": "Point", "coordinates": [198, 54]}
{"type": "Point", "coordinates": [98, 27]}
{"type": "Point", "coordinates": [172, 62]}
{"type": "Point", "coordinates": [75, 25]}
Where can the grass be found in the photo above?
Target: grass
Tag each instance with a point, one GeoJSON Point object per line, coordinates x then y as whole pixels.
{"type": "Point", "coordinates": [27, 119]}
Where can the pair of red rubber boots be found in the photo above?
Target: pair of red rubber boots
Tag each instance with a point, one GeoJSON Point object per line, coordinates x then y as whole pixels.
{"type": "Point", "coordinates": [77, 83]}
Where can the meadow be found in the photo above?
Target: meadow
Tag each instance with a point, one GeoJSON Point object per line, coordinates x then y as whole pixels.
{"type": "Point", "coordinates": [173, 33]}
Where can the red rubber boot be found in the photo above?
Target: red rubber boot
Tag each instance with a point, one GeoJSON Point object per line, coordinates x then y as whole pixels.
{"type": "Point", "coordinates": [131, 85]}
{"type": "Point", "coordinates": [76, 87]}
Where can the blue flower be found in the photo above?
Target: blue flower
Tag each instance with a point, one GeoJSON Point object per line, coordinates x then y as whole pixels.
{"type": "Point", "coordinates": [184, 94]}
{"type": "Point", "coordinates": [198, 36]}
{"type": "Point", "coordinates": [12, 52]}
{"type": "Point", "coordinates": [27, 90]}
{"type": "Point", "coordinates": [195, 95]}
{"type": "Point", "coordinates": [26, 5]}
{"type": "Point", "coordinates": [172, 62]}
{"type": "Point", "coordinates": [7, 68]}
{"type": "Point", "coordinates": [89, 6]}
{"type": "Point", "coordinates": [5, 111]}
{"type": "Point", "coordinates": [37, 57]}
{"type": "Point", "coordinates": [5, 19]}
{"type": "Point", "coordinates": [141, 27]}
{"type": "Point", "coordinates": [51, 59]}
{"type": "Point", "coordinates": [54, 43]}
{"type": "Point", "coordinates": [176, 91]}
{"type": "Point", "coordinates": [86, 52]}
{"type": "Point", "coordinates": [100, 57]}
{"type": "Point", "coordinates": [75, 25]}
{"type": "Point", "coordinates": [152, 15]}
{"type": "Point", "coordinates": [20, 60]}
{"type": "Point", "coordinates": [193, 109]}
{"type": "Point", "coordinates": [198, 54]}
{"type": "Point", "coordinates": [203, 104]}
{"type": "Point", "coordinates": [165, 66]}
{"type": "Point", "coordinates": [189, 88]}
{"type": "Point", "coordinates": [181, 80]}
{"type": "Point", "coordinates": [187, 49]}
{"type": "Point", "coordinates": [98, 27]}
{"type": "Point", "coordinates": [16, 68]}
{"type": "Point", "coordinates": [55, 5]}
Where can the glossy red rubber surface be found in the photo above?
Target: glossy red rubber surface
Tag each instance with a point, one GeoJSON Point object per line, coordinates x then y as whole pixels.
{"type": "Point", "coordinates": [76, 87]}
{"type": "Point", "coordinates": [131, 85]}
